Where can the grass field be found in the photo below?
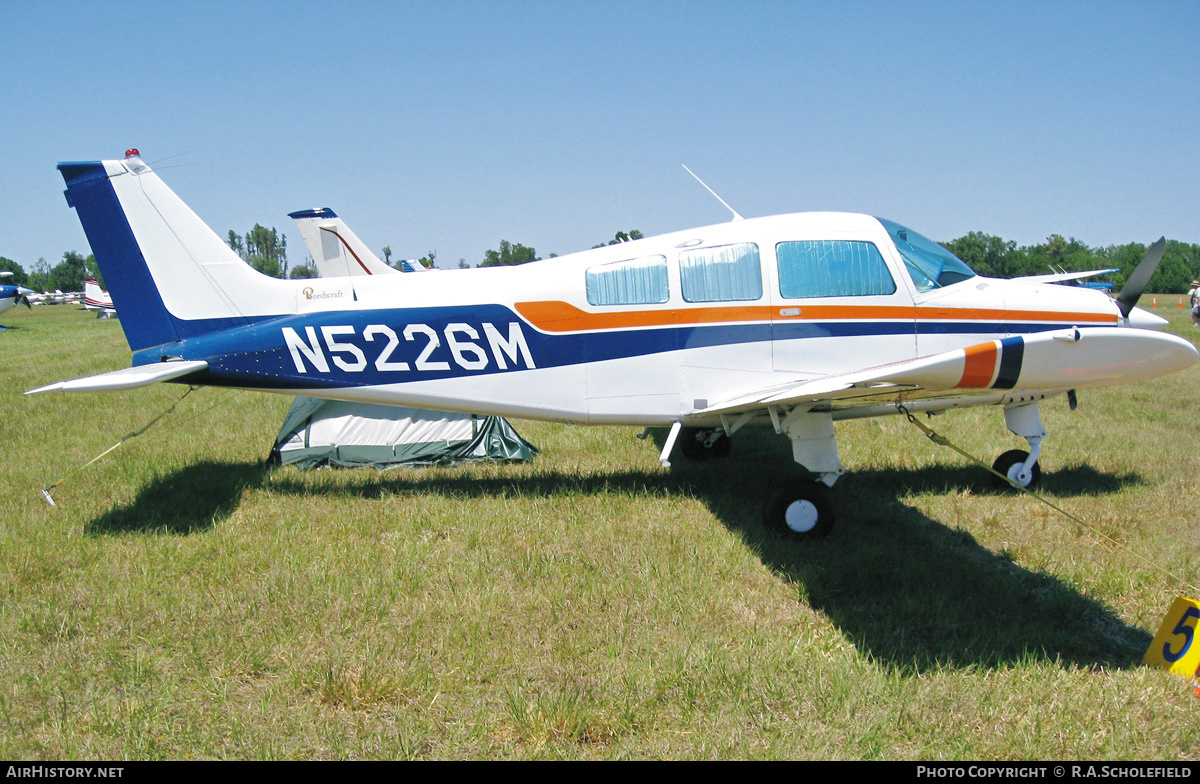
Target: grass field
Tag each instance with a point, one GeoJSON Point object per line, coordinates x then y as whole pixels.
{"type": "Point", "coordinates": [184, 601]}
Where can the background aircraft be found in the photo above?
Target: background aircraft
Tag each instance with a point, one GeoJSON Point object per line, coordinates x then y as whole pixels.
{"type": "Point", "coordinates": [1074, 279]}
{"type": "Point", "coordinates": [796, 321]}
{"type": "Point", "coordinates": [11, 295]}
{"type": "Point", "coordinates": [336, 251]}
{"type": "Point", "coordinates": [96, 298]}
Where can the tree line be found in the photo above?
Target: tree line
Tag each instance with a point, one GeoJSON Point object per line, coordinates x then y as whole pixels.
{"type": "Point", "coordinates": [999, 258]}
{"type": "Point", "coordinates": [266, 251]}
{"type": "Point", "coordinates": [67, 275]}
{"type": "Point", "coordinates": [510, 254]}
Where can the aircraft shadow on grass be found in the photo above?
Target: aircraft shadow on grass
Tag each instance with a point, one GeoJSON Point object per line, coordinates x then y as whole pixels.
{"type": "Point", "coordinates": [190, 500]}
{"type": "Point", "coordinates": [911, 592]}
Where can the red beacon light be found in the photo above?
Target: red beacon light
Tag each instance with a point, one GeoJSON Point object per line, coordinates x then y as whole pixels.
{"type": "Point", "coordinates": [132, 152]}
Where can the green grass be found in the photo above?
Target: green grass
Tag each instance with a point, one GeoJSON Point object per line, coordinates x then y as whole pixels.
{"type": "Point", "coordinates": [183, 601]}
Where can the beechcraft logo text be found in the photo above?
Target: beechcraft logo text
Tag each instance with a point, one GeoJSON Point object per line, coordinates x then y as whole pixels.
{"type": "Point", "coordinates": [310, 294]}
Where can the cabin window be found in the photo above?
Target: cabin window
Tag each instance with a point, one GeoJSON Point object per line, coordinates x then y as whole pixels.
{"type": "Point", "coordinates": [832, 268]}
{"type": "Point", "coordinates": [722, 274]}
{"type": "Point", "coordinates": [633, 282]}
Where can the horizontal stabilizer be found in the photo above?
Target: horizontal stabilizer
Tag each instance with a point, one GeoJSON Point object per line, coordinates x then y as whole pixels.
{"type": "Point", "coordinates": [129, 378]}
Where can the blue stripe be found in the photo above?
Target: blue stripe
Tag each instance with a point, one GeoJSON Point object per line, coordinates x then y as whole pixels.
{"type": "Point", "coordinates": [990, 327]}
{"type": "Point", "coordinates": [1012, 353]}
{"type": "Point", "coordinates": [255, 354]}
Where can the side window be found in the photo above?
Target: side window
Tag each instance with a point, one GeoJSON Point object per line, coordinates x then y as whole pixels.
{"type": "Point", "coordinates": [634, 282]}
{"type": "Point", "coordinates": [722, 274]}
{"type": "Point", "coordinates": [832, 268]}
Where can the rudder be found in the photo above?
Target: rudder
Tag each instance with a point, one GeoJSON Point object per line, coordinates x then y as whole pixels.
{"type": "Point", "coordinates": [170, 276]}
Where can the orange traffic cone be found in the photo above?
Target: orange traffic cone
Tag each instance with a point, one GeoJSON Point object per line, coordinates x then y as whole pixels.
{"type": "Point", "coordinates": [1181, 302]}
{"type": "Point", "coordinates": [1154, 303]}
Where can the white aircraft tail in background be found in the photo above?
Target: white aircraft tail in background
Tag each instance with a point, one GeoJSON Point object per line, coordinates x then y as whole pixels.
{"type": "Point", "coordinates": [96, 298]}
{"type": "Point", "coordinates": [796, 322]}
{"type": "Point", "coordinates": [336, 250]}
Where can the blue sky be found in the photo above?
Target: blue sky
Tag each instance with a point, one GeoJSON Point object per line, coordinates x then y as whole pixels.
{"type": "Point", "coordinates": [449, 126]}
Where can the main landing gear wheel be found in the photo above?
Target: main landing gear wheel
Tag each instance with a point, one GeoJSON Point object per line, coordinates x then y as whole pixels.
{"type": "Point", "coordinates": [800, 511]}
{"type": "Point", "coordinates": [703, 443]}
{"type": "Point", "coordinates": [1009, 464]}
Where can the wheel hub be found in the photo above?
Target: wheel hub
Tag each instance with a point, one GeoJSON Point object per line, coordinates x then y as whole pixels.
{"type": "Point", "coordinates": [801, 516]}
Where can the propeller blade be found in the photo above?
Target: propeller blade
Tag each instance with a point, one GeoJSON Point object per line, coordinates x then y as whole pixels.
{"type": "Point", "coordinates": [1140, 278]}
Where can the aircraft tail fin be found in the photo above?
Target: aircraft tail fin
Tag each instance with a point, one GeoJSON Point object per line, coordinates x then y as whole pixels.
{"type": "Point", "coordinates": [337, 251]}
{"type": "Point", "coordinates": [94, 297]}
{"type": "Point", "coordinates": [169, 274]}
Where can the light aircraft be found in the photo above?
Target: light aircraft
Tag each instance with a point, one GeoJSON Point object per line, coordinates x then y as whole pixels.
{"type": "Point", "coordinates": [336, 250]}
{"type": "Point", "coordinates": [799, 321]}
{"type": "Point", "coordinates": [96, 298]}
{"type": "Point", "coordinates": [12, 295]}
{"type": "Point", "coordinates": [413, 265]}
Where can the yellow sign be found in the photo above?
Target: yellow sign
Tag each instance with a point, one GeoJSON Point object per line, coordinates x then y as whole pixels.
{"type": "Point", "coordinates": [1175, 648]}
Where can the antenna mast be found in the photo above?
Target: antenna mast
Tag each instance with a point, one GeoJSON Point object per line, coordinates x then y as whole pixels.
{"type": "Point", "coordinates": [736, 216]}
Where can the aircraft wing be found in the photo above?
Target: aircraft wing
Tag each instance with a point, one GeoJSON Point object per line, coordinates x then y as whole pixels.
{"type": "Point", "coordinates": [1063, 277]}
{"type": "Point", "coordinates": [129, 378]}
{"type": "Point", "coordinates": [1049, 361]}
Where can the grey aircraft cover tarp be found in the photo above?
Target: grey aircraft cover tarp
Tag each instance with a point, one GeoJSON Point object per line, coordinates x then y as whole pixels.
{"type": "Point", "coordinates": [317, 432]}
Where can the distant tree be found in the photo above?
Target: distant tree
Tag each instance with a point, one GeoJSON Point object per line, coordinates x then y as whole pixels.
{"type": "Point", "coordinates": [387, 255]}
{"type": "Point", "coordinates": [39, 278]}
{"type": "Point", "coordinates": [462, 264]}
{"type": "Point", "coordinates": [1176, 271]}
{"type": "Point", "coordinates": [621, 236]}
{"type": "Point", "coordinates": [1180, 265]}
{"type": "Point", "coordinates": [986, 254]}
{"type": "Point", "coordinates": [1124, 258]}
{"type": "Point", "coordinates": [305, 270]}
{"type": "Point", "coordinates": [1059, 253]}
{"type": "Point", "coordinates": [509, 255]}
{"type": "Point", "coordinates": [69, 274]}
{"type": "Point", "coordinates": [1186, 266]}
{"type": "Point", "coordinates": [429, 260]}
{"type": "Point", "coordinates": [93, 269]}
{"type": "Point", "coordinates": [263, 249]}
{"type": "Point", "coordinates": [18, 272]}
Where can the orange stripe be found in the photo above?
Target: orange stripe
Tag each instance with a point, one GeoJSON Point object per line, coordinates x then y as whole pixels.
{"type": "Point", "coordinates": [980, 367]}
{"type": "Point", "coordinates": [1074, 318]}
{"type": "Point", "coordinates": [555, 316]}
{"type": "Point", "coordinates": [558, 316]}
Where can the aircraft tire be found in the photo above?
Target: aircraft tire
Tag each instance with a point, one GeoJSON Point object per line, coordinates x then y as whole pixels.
{"type": "Point", "coordinates": [1006, 464]}
{"type": "Point", "coordinates": [703, 443]}
{"type": "Point", "coordinates": [800, 511]}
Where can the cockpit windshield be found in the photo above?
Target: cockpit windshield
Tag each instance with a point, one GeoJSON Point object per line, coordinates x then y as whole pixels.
{"type": "Point", "coordinates": [929, 265]}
